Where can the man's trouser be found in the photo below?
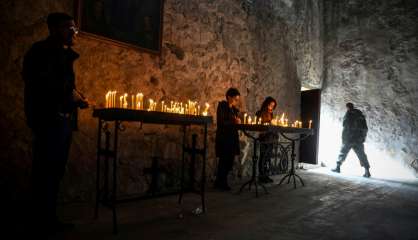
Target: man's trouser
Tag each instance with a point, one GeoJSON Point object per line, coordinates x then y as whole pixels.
{"type": "Point", "coordinates": [224, 167]}
{"type": "Point", "coordinates": [358, 149]}
{"type": "Point", "coordinates": [51, 146]}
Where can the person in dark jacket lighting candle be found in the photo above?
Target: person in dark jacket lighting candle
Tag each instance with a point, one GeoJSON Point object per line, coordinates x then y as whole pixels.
{"type": "Point", "coordinates": [227, 140]}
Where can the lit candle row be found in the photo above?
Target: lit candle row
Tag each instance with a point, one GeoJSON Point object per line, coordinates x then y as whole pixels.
{"type": "Point", "coordinates": [111, 99]}
{"type": "Point", "coordinates": [276, 121]}
{"type": "Point", "coordinates": [137, 103]}
{"type": "Point", "coordinates": [297, 124]}
{"type": "Point", "coordinates": [282, 121]}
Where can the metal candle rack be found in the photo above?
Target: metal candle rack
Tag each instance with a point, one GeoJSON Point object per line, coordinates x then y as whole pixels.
{"type": "Point", "coordinates": [119, 115]}
{"type": "Point", "coordinates": [284, 132]}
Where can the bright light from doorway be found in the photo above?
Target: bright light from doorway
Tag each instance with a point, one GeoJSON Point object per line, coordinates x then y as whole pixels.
{"type": "Point", "coordinates": [384, 165]}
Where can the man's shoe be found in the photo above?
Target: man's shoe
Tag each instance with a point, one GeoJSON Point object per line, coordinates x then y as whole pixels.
{"type": "Point", "coordinates": [63, 227]}
{"type": "Point", "coordinates": [367, 173]}
{"type": "Point", "coordinates": [263, 179]}
{"type": "Point", "coordinates": [222, 186]}
{"type": "Point", "coordinates": [337, 169]}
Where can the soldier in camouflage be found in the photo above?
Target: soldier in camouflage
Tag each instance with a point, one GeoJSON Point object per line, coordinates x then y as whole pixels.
{"type": "Point", "coordinates": [353, 137]}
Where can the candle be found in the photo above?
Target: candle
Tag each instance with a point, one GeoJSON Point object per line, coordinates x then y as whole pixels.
{"type": "Point", "coordinates": [110, 102]}
{"type": "Point", "coordinates": [249, 120]}
{"type": "Point", "coordinates": [121, 101]}
{"type": "Point", "coordinates": [107, 99]}
{"type": "Point", "coordinates": [137, 101]}
{"type": "Point", "coordinates": [282, 123]}
{"type": "Point", "coordinates": [113, 101]}
{"type": "Point", "coordinates": [141, 100]}
{"type": "Point", "coordinates": [151, 102]}
{"type": "Point", "coordinates": [310, 123]}
{"type": "Point", "coordinates": [162, 106]}
{"type": "Point", "coordinates": [125, 100]}
{"type": "Point", "coordinates": [245, 118]}
{"type": "Point", "coordinates": [205, 112]}
{"type": "Point", "coordinates": [133, 102]}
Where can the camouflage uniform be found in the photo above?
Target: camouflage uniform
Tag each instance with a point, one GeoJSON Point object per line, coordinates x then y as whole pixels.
{"type": "Point", "coordinates": [353, 137]}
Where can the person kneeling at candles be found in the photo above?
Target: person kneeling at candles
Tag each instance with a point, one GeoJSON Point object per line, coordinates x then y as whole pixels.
{"type": "Point", "coordinates": [227, 140]}
{"type": "Point", "coordinates": [266, 139]}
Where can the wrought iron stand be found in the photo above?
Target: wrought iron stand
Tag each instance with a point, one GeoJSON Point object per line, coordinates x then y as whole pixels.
{"type": "Point", "coordinates": [253, 179]}
{"type": "Point", "coordinates": [292, 172]}
{"type": "Point", "coordinates": [282, 131]}
{"type": "Point", "coordinates": [107, 196]}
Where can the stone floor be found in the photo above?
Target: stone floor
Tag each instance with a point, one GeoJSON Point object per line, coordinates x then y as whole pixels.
{"type": "Point", "coordinates": [328, 207]}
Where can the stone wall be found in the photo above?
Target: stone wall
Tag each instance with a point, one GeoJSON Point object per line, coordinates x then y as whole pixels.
{"type": "Point", "coordinates": [305, 34]}
{"type": "Point", "coordinates": [371, 59]}
{"type": "Point", "coordinates": [244, 44]}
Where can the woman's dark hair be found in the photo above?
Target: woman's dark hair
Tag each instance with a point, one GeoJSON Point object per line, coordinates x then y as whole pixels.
{"type": "Point", "coordinates": [267, 102]}
{"type": "Point", "coordinates": [232, 92]}
{"type": "Point", "coordinates": [350, 105]}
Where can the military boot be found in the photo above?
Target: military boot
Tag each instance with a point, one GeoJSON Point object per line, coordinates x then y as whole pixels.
{"type": "Point", "coordinates": [367, 173]}
{"type": "Point", "coordinates": [337, 169]}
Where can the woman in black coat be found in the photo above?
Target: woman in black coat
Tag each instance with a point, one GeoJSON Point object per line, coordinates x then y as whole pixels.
{"type": "Point", "coordinates": [227, 140]}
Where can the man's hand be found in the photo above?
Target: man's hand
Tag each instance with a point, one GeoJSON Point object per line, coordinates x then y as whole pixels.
{"type": "Point", "coordinates": [81, 101]}
{"type": "Point", "coordinates": [237, 120]}
{"type": "Point", "coordinates": [83, 104]}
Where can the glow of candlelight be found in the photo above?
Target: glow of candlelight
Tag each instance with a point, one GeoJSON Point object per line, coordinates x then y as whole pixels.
{"type": "Point", "coordinates": [107, 99]}
{"type": "Point", "coordinates": [125, 100]}
{"type": "Point", "coordinates": [205, 111]}
{"type": "Point", "coordinates": [151, 102]}
{"type": "Point", "coordinates": [141, 100]}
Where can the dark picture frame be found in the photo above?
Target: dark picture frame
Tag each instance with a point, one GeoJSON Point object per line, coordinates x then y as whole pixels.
{"type": "Point", "coordinates": [128, 23]}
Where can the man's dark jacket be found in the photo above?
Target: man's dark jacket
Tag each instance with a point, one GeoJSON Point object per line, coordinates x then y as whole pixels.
{"type": "Point", "coordinates": [227, 139]}
{"type": "Point", "coordinates": [49, 83]}
{"type": "Point", "coordinates": [354, 127]}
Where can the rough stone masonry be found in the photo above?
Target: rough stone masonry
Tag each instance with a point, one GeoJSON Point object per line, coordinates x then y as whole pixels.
{"type": "Point", "coordinates": [208, 46]}
{"type": "Point", "coordinates": [364, 51]}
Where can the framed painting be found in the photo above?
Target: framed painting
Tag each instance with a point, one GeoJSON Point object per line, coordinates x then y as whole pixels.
{"type": "Point", "coordinates": [129, 23]}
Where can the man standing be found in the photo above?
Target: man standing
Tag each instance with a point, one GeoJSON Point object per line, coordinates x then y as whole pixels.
{"type": "Point", "coordinates": [227, 139]}
{"type": "Point", "coordinates": [353, 137]}
{"type": "Point", "coordinates": [51, 102]}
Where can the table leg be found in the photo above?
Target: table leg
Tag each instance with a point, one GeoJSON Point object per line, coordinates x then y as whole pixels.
{"type": "Point", "coordinates": [253, 179]}
{"type": "Point", "coordinates": [182, 166]}
{"type": "Point", "coordinates": [203, 180]}
{"type": "Point", "coordinates": [99, 147]}
{"type": "Point", "coordinates": [114, 193]}
{"type": "Point", "coordinates": [292, 172]}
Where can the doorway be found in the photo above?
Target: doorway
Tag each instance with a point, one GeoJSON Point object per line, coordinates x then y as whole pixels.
{"type": "Point", "coordinates": [310, 110]}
